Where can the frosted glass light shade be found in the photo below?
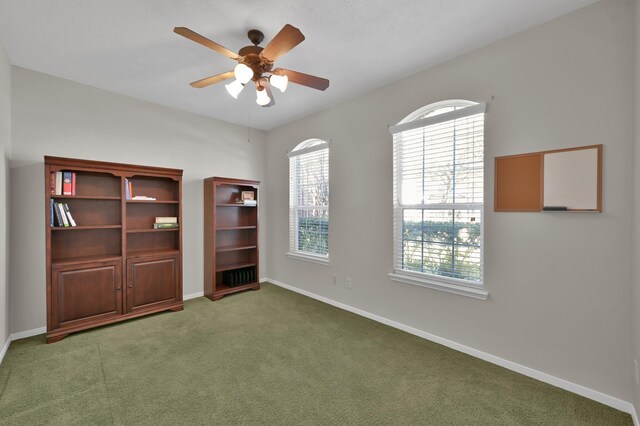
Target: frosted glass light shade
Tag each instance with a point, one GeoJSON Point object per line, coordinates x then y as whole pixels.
{"type": "Point", "coordinates": [279, 81]}
{"type": "Point", "coordinates": [262, 98]}
{"type": "Point", "coordinates": [234, 88]}
{"type": "Point", "coordinates": [243, 73]}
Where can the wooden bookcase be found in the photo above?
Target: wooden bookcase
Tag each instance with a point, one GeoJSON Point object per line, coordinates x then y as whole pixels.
{"type": "Point", "coordinates": [230, 237]}
{"type": "Point", "coordinates": [113, 265]}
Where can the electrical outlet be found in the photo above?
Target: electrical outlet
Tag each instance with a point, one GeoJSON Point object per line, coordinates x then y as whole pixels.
{"type": "Point", "coordinates": [334, 280]}
{"type": "Point", "coordinates": [347, 282]}
{"type": "Point", "coordinates": [635, 365]}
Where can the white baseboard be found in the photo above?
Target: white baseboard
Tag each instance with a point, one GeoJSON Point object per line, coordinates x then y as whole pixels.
{"type": "Point", "coordinates": [28, 333]}
{"type": "Point", "coordinates": [634, 416]}
{"type": "Point", "coordinates": [20, 335]}
{"type": "Point", "coordinates": [193, 295]}
{"type": "Point", "coordinates": [5, 348]}
{"type": "Point", "coordinates": [609, 400]}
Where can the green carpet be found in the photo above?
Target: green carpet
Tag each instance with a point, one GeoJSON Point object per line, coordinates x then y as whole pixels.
{"type": "Point", "coordinates": [270, 357]}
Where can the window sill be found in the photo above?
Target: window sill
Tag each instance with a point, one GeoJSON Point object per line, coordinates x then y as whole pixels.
{"type": "Point", "coordinates": [309, 258]}
{"type": "Point", "coordinates": [435, 284]}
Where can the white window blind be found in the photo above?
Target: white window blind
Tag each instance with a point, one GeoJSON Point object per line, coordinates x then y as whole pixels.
{"type": "Point", "coordinates": [309, 199]}
{"type": "Point", "coordinates": [438, 158]}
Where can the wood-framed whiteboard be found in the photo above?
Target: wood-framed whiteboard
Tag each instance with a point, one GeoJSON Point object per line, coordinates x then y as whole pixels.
{"type": "Point", "coordinates": [560, 180]}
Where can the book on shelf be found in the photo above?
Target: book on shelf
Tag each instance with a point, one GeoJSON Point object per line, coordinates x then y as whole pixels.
{"type": "Point", "coordinates": [167, 219]}
{"type": "Point", "coordinates": [66, 210]}
{"type": "Point", "coordinates": [127, 189]}
{"type": "Point", "coordinates": [60, 215]}
{"type": "Point", "coordinates": [143, 197]}
{"type": "Point", "coordinates": [58, 188]}
{"type": "Point", "coordinates": [63, 215]}
{"type": "Point", "coordinates": [57, 217]}
{"type": "Point", "coordinates": [62, 183]}
{"type": "Point", "coordinates": [165, 225]}
{"type": "Point", "coordinates": [247, 202]}
{"type": "Point", "coordinates": [52, 183]}
{"type": "Point", "coordinates": [66, 183]}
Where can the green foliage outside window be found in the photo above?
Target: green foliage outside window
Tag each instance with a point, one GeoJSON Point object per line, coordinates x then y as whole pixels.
{"type": "Point", "coordinates": [313, 235]}
{"type": "Point", "coordinates": [442, 248]}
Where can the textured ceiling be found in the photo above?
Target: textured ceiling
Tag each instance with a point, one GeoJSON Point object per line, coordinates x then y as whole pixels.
{"type": "Point", "coordinates": [128, 46]}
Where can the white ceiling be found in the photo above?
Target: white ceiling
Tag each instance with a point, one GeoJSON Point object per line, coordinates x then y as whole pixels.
{"type": "Point", "coordinates": [128, 46]}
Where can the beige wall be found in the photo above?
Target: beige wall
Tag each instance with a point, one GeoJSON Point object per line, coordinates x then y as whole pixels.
{"type": "Point", "coordinates": [559, 284]}
{"type": "Point", "coordinates": [635, 261]}
{"type": "Point", "coordinates": [5, 150]}
{"type": "Point", "coordinates": [52, 116]}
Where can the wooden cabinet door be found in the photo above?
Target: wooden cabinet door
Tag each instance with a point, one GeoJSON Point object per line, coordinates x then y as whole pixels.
{"type": "Point", "coordinates": [152, 282]}
{"type": "Point", "coordinates": [84, 293]}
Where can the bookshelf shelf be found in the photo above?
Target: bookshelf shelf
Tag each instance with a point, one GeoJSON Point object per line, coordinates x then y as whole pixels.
{"type": "Point", "coordinates": [235, 205]}
{"type": "Point", "coordinates": [232, 248]}
{"type": "Point", "coordinates": [234, 228]}
{"type": "Point", "coordinates": [152, 252]}
{"type": "Point", "coordinates": [224, 289]}
{"type": "Point", "coordinates": [83, 197]}
{"type": "Point", "coordinates": [151, 202]}
{"type": "Point", "coordinates": [231, 266]}
{"type": "Point", "coordinates": [136, 231]}
{"type": "Point", "coordinates": [85, 259]}
{"type": "Point", "coordinates": [231, 237]}
{"type": "Point", "coordinates": [84, 228]}
{"type": "Point", "coordinates": [113, 266]}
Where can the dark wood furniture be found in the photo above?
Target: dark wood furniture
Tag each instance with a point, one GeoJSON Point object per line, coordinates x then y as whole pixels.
{"type": "Point", "coordinates": [230, 237]}
{"type": "Point", "coordinates": [113, 265]}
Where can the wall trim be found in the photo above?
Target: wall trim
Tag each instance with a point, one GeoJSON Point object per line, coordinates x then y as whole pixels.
{"type": "Point", "coordinates": [193, 295]}
{"type": "Point", "coordinates": [28, 333]}
{"type": "Point", "coordinates": [634, 416]}
{"type": "Point", "coordinates": [5, 348]}
{"type": "Point", "coordinates": [20, 335]}
{"type": "Point", "coordinates": [595, 395]}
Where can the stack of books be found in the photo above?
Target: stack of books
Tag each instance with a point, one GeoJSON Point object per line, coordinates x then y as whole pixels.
{"type": "Point", "coordinates": [62, 183]}
{"type": "Point", "coordinates": [166, 223]}
{"type": "Point", "coordinates": [60, 215]}
{"type": "Point", "coordinates": [248, 202]}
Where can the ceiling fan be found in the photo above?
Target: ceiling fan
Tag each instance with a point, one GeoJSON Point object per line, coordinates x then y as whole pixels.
{"type": "Point", "coordinates": [256, 64]}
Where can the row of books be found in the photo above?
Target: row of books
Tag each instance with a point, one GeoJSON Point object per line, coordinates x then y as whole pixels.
{"type": "Point", "coordinates": [62, 183]}
{"type": "Point", "coordinates": [60, 215]}
{"type": "Point", "coordinates": [129, 193]}
{"type": "Point", "coordinates": [168, 222]}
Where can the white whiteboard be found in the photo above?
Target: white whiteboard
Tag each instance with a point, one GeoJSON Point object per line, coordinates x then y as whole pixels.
{"type": "Point", "coordinates": [571, 179]}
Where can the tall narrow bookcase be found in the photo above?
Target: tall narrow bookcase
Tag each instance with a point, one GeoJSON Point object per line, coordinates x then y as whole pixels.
{"type": "Point", "coordinates": [231, 237]}
{"type": "Point", "coordinates": [113, 265]}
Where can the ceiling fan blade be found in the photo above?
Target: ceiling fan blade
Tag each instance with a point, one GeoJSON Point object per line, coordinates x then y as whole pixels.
{"type": "Point", "coordinates": [288, 38]}
{"type": "Point", "coordinates": [186, 32]}
{"type": "Point", "coordinates": [267, 88]}
{"type": "Point", "coordinates": [303, 79]}
{"type": "Point", "coordinates": [212, 80]}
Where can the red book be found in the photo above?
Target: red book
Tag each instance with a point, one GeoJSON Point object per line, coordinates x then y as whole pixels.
{"type": "Point", "coordinates": [66, 183]}
{"type": "Point", "coordinates": [73, 183]}
{"type": "Point", "coordinates": [52, 183]}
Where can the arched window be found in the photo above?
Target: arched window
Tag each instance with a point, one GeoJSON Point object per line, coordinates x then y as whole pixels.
{"type": "Point", "coordinates": [309, 200]}
{"type": "Point", "coordinates": [438, 162]}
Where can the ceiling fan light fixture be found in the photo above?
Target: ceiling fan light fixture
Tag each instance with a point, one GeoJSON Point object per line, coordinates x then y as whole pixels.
{"type": "Point", "coordinates": [279, 81]}
{"type": "Point", "coordinates": [243, 73]}
{"type": "Point", "coordinates": [262, 98]}
{"type": "Point", "coordinates": [234, 88]}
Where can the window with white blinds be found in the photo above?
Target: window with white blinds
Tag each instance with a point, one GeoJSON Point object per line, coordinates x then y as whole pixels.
{"type": "Point", "coordinates": [438, 160]}
{"type": "Point", "coordinates": [309, 200]}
